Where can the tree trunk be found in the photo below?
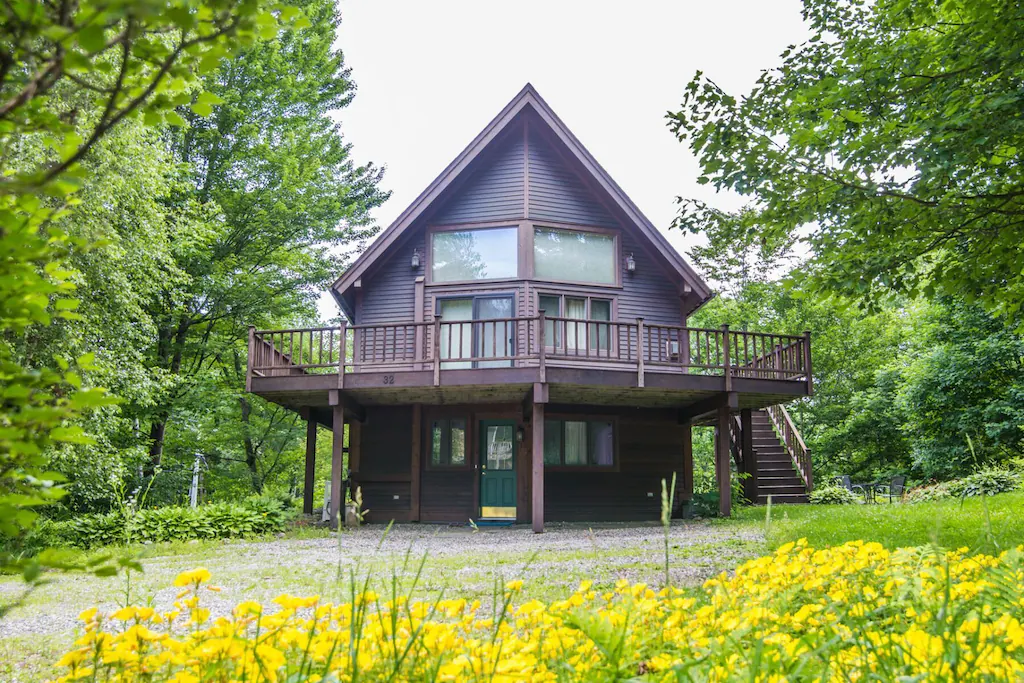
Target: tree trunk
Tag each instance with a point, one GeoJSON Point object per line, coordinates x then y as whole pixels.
{"type": "Point", "coordinates": [250, 450]}
{"type": "Point", "coordinates": [170, 350]}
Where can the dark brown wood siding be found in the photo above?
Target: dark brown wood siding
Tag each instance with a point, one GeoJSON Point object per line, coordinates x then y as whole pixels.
{"type": "Point", "coordinates": [385, 462]}
{"type": "Point", "coordinates": [493, 192]}
{"type": "Point", "coordinates": [648, 292]}
{"type": "Point", "coordinates": [649, 451]}
{"type": "Point", "coordinates": [389, 293]}
{"type": "Point", "coordinates": [558, 194]}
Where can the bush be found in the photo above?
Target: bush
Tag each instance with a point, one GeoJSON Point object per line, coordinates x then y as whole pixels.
{"type": "Point", "coordinates": [853, 612]}
{"type": "Point", "coordinates": [926, 494]}
{"type": "Point", "coordinates": [155, 525]}
{"type": "Point", "coordinates": [986, 482]}
{"type": "Point", "coordinates": [831, 494]}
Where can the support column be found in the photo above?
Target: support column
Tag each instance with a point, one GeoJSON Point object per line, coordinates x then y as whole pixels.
{"type": "Point", "coordinates": [537, 467]}
{"type": "Point", "coordinates": [687, 474]}
{"type": "Point", "coordinates": [722, 469]}
{"type": "Point", "coordinates": [337, 466]}
{"type": "Point", "coordinates": [307, 490]}
{"type": "Point", "coordinates": [749, 456]}
{"type": "Point", "coordinates": [414, 467]}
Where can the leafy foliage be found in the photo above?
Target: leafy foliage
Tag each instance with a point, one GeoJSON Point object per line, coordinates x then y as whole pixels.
{"type": "Point", "coordinates": [69, 73]}
{"type": "Point", "coordinates": [854, 611]}
{"type": "Point", "coordinates": [170, 523]}
{"type": "Point", "coordinates": [986, 482]}
{"type": "Point", "coordinates": [833, 495]}
{"type": "Point", "coordinates": [889, 142]}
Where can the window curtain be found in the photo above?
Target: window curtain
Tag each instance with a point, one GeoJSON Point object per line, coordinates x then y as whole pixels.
{"type": "Point", "coordinates": [575, 334]}
{"type": "Point", "coordinates": [552, 442]}
{"type": "Point", "coordinates": [601, 443]}
{"type": "Point", "coordinates": [600, 310]}
{"type": "Point", "coordinates": [575, 443]}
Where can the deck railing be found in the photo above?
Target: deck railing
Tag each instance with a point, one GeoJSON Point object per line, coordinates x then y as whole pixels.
{"type": "Point", "coordinates": [793, 442]}
{"type": "Point", "coordinates": [530, 341]}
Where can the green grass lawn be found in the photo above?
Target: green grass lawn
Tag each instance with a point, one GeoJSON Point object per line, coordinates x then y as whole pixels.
{"type": "Point", "coordinates": [981, 524]}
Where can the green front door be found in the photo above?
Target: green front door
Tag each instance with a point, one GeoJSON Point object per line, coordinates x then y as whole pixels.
{"type": "Point", "coordinates": [497, 469]}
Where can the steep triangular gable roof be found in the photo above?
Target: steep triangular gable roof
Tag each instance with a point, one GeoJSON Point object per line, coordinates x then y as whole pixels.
{"type": "Point", "coordinates": [527, 97]}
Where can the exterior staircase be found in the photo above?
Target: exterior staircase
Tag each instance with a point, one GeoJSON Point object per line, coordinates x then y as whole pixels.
{"type": "Point", "coordinates": [777, 472]}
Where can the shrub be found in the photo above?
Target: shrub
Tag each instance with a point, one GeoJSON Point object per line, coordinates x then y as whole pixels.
{"type": "Point", "coordinates": [926, 494]}
{"type": "Point", "coordinates": [155, 525]}
{"type": "Point", "coordinates": [986, 482]}
{"type": "Point", "coordinates": [831, 494]}
{"type": "Point", "coordinates": [853, 612]}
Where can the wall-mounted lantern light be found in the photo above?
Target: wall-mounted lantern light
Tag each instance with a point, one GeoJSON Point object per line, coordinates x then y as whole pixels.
{"type": "Point", "coordinates": [630, 263]}
{"type": "Point", "coordinates": [520, 434]}
{"type": "Point", "coordinates": [417, 260]}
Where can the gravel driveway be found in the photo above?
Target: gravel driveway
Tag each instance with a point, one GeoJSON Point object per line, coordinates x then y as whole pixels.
{"type": "Point", "coordinates": [459, 560]}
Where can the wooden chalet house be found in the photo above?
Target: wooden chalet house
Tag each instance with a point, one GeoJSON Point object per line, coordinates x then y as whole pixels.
{"type": "Point", "coordinates": [518, 350]}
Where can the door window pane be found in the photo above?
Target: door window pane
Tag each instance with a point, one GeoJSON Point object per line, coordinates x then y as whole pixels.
{"type": "Point", "coordinates": [448, 442]}
{"type": "Point", "coordinates": [575, 443]}
{"type": "Point", "coordinates": [600, 442]}
{"type": "Point", "coordinates": [495, 339]}
{"type": "Point", "coordinates": [551, 305]}
{"type": "Point", "coordinates": [574, 256]}
{"type": "Point", "coordinates": [500, 447]}
{"type": "Point", "coordinates": [457, 439]}
{"type": "Point", "coordinates": [460, 255]}
{"type": "Point", "coordinates": [456, 339]}
{"type": "Point", "coordinates": [437, 446]}
{"type": "Point", "coordinates": [600, 309]}
{"type": "Point", "coordinates": [552, 442]}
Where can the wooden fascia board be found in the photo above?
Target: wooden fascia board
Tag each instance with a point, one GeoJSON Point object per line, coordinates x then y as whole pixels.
{"type": "Point", "coordinates": [433, 191]}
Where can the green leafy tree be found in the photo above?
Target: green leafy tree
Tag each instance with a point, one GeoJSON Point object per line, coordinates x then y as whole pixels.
{"type": "Point", "coordinates": [267, 203]}
{"type": "Point", "coordinates": [890, 142]}
{"type": "Point", "coordinates": [69, 73]}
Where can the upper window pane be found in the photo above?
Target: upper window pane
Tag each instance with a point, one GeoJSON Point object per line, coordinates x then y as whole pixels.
{"type": "Point", "coordinates": [459, 255]}
{"type": "Point", "coordinates": [573, 256]}
{"type": "Point", "coordinates": [458, 442]}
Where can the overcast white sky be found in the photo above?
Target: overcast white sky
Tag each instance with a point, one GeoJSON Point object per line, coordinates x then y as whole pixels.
{"type": "Point", "coordinates": [431, 75]}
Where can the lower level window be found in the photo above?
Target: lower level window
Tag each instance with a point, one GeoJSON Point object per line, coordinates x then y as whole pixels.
{"type": "Point", "coordinates": [579, 443]}
{"type": "Point", "coordinates": [448, 443]}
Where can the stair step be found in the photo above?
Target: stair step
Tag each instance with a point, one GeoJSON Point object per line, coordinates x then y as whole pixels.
{"type": "Point", "coordinates": [797, 489]}
{"type": "Point", "coordinates": [783, 499]}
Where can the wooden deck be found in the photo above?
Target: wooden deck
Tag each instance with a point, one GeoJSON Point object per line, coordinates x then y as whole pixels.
{"type": "Point", "coordinates": [498, 361]}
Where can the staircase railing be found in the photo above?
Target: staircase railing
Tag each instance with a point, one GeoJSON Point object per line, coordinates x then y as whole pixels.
{"type": "Point", "coordinates": [793, 442]}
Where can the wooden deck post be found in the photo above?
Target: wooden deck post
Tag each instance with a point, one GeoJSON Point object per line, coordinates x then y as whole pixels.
{"type": "Point", "coordinates": [250, 358]}
{"type": "Point", "coordinates": [750, 487]}
{"type": "Point", "coordinates": [342, 353]}
{"type": "Point", "coordinates": [722, 468]}
{"type": "Point", "coordinates": [807, 362]}
{"type": "Point", "coordinates": [726, 361]}
{"type": "Point", "coordinates": [307, 489]}
{"type": "Point", "coordinates": [541, 352]}
{"type": "Point", "coordinates": [338, 466]}
{"type": "Point", "coordinates": [437, 350]}
{"type": "Point", "coordinates": [537, 467]}
{"type": "Point", "coordinates": [419, 299]}
{"type": "Point", "coordinates": [640, 352]}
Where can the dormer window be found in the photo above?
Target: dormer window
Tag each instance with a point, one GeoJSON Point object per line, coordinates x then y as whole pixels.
{"type": "Point", "coordinates": [574, 256]}
{"type": "Point", "coordinates": [478, 254]}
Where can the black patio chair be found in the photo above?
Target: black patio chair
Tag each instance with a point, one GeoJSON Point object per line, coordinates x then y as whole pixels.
{"type": "Point", "coordinates": [845, 482]}
{"type": "Point", "coordinates": [893, 490]}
